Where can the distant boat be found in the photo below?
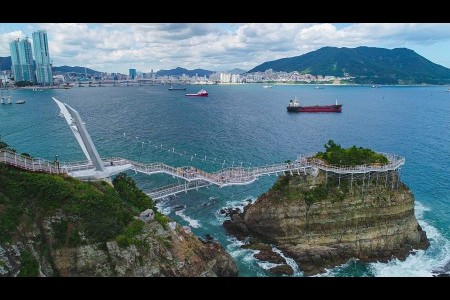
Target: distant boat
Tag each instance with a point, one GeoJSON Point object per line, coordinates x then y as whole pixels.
{"type": "Point", "coordinates": [176, 89]}
{"type": "Point", "coordinates": [267, 86]}
{"type": "Point", "coordinates": [294, 106]}
{"type": "Point", "coordinates": [375, 86]}
{"type": "Point", "coordinates": [201, 93]}
{"type": "Point", "coordinates": [319, 87]}
{"type": "Point", "coordinates": [20, 101]}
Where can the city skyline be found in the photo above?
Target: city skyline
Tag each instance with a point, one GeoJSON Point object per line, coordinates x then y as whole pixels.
{"type": "Point", "coordinates": [218, 47]}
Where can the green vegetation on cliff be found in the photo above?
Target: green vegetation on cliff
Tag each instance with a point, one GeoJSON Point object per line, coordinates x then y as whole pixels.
{"type": "Point", "coordinates": [336, 155]}
{"type": "Point", "coordinates": [95, 209]}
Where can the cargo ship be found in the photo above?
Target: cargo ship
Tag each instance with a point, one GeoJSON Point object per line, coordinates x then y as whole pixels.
{"type": "Point", "coordinates": [294, 106]}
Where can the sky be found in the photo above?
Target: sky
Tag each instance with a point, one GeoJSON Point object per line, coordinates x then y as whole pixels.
{"type": "Point", "coordinates": [117, 47]}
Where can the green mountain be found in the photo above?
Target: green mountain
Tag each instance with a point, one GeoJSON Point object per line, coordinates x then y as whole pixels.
{"type": "Point", "coordinates": [180, 71]}
{"type": "Point", "coordinates": [236, 71]}
{"type": "Point", "coordinates": [76, 69]}
{"type": "Point", "coordinates": [367, 64]}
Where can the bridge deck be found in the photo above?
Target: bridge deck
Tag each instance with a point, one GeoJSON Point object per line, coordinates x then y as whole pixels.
{"type": "Point", "coordinates": [194, 177]}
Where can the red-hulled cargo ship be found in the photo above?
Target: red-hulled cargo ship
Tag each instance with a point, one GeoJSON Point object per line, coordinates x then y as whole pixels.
{"type": "Point", "coordinates": [294, 106]}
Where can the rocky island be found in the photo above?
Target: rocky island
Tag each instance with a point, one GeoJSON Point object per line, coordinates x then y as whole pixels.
{"type": "Point", "coordinates": [51, 225]}
{"type": "Point", "coordinates": [323, 218]}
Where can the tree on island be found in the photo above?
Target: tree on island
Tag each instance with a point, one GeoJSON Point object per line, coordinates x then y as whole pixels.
{"type": "Point", "coordinates": [336, 155]}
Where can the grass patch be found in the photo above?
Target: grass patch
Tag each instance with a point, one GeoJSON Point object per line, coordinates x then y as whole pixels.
{"type": "Point", "coordinates": [128, 236]}
{"type": "Point", "coordinates": [315, 194]}
{"type": "Point", "coordinates": [29, 267]}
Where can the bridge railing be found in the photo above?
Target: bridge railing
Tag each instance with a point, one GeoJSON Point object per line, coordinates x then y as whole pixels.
{"type": "Point", "coordinates": [395, 161]}
{"type": "Point", "coordinates": [28, 163]}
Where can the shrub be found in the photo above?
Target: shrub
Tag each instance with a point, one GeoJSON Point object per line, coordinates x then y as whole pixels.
{"type": "Point", "coordinates": [336, 155]}
{"type": "Point", "coordinates": [29, 266]}
{"type": "Point", "coordinates": [129, 192]}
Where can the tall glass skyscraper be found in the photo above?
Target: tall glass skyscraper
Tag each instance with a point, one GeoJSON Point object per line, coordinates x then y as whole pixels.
{"type": "Point", "coordinates": [22, 60]}
{"type": "Point", "coordinates": [132, 74]}
{"type": "Point", "coordinates": [42, 57]}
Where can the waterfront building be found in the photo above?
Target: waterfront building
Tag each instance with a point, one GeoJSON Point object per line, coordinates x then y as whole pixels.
{"type": "Point", "coordinates": [132, 74]}
{"type": "Point", "coordinates": [22, 64]}
{"type": "Point", "coordinates": [42, 58]}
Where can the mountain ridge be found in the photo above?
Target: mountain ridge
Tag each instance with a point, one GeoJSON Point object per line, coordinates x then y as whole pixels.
{"type": "Point", "coordinates": [180, 71]}
{"type": "Point", "coordinates": [366, 64]}
{"type": "Point", "coordinates": [74, 69]}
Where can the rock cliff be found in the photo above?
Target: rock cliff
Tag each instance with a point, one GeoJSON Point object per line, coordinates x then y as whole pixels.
{"type": "Point", "coordinates": [321, 225]}
{"type": "Point", "coordinates": [56, 226]}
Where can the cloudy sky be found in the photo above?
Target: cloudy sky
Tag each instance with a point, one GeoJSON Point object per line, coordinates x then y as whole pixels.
{"type": "Point", "coordinates": [218, 47]}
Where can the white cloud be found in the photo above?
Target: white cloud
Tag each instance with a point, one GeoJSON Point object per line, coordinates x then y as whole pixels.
{"type": "Point", "coordinates": [6, 38]}
{"type": "Point", "coordinates": [117, 47]}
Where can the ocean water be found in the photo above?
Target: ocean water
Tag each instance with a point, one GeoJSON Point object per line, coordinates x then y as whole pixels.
{"type": "Point", "coordinates": [248, 125]}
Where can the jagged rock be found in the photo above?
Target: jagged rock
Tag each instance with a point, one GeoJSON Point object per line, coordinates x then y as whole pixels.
{"type": "Point", "coordinates": [160, 252]}
{"type": "Point", "coordinates": [229, 211]}
{"type": "Point", "coordinates": [270, 256]}
{"type": "Point", "coordinates": [282, 270]}
{"type": "Point", "coordinates": [147, 215]}
{"type": "Point", "coordinates": [236, 226]}
{"type": "Point", "coordinates": [376, 225]}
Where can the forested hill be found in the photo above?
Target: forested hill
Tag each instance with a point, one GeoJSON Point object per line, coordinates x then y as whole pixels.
{"type": "Point", "coordinates": [366, 64]}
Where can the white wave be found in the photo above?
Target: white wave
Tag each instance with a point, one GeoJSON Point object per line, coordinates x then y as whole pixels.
{"type": "Point", "coordinates": [423, 262]}
{"type": "Point", "coordinates": [193, 223]}
{"type": "Point", "coordinates": [267, 265]}
{"type": "Point", "coordinates": [240, 204]}
{"type": "Point", "coordinates": [162, 208]}
{"type": "Point", "coordinates": [290, 262]}
{"type": "Point", "coordinates": [245, 255]}
{"type": "Point", "coordinates": [419, 210]}
{"type": "Point", "coordinates": [333, 272]}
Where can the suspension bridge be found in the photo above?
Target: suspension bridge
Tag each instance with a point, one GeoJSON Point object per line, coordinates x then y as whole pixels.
{"type": "Point", "coordinates": [96, 168]}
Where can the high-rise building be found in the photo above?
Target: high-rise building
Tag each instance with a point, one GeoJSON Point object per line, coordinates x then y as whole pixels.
{"type": "Point", "coordinates": [22, 60]}
{"type": "Point", "coordinates": [132, 74]}
{"type": "Point", "coordinates": [42, 58]}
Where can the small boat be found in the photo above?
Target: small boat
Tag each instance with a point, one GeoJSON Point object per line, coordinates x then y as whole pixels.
{"type": "Point", "coordinates": [176, 89]}
{"type": "Point", "coordinates": [294, 106]}
{"type": "Point", "coordinates": [20, 101]}
{"type": "Point", "coordinates": [267, 86]}
{"type": "Point", "coordinates": [319, 87]}
{"type": "Point", "coordinates": [201, 93]}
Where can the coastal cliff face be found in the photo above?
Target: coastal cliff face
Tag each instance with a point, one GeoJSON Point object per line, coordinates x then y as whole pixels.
{"type": "Point", "coordinates": [51, 225]}
{"type": "Point", "coordinates": [154, 252]}
{"type": "Point", "coordinates": [322, 226]}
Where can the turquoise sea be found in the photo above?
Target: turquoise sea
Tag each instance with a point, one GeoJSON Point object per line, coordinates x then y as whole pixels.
{"type": "Point", "coordinates": [248, 125]}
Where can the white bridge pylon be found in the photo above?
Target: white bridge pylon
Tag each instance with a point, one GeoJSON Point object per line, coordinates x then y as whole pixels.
{"type": "Point", "coordinates": [95, 169]}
